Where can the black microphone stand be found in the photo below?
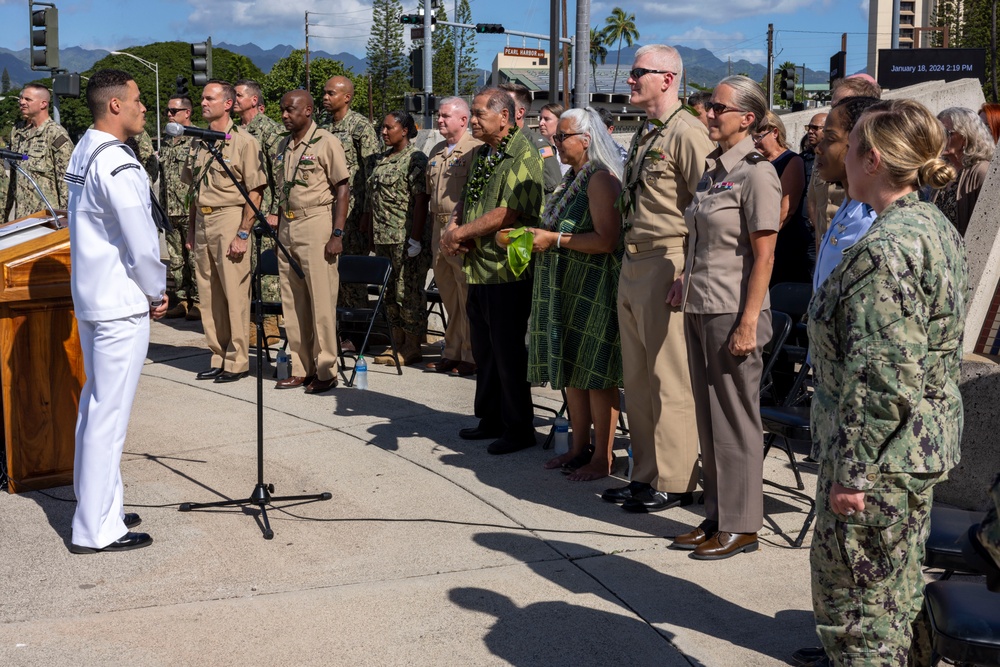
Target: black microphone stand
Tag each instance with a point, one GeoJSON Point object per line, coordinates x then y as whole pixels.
{"type": "Point", "coordinates": [261, 494]}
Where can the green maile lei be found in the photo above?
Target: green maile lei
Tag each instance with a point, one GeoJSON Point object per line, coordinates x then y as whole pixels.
{"type": "Point", "coordinates": [632, 181]}
{"type": "Point", "coordinates": [483, 170]}
{"type": "Point", "coordinates": [286, 187]}
{"type": "Point", "coordinates": [560, 200]}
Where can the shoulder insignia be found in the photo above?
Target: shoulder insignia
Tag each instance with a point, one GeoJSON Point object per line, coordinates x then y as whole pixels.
{"type": "Point", "coordinates": [754, 157]}
{"type": "Point", "coordinates": [546, 151]}
{"type": "Point", "coordinates": [127, 165]}
{"type": "Point", "coordinates": [60, 141]}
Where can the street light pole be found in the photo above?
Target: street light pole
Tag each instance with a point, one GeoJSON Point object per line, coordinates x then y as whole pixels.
{"type": "Point", "coordinates": [156, 70]}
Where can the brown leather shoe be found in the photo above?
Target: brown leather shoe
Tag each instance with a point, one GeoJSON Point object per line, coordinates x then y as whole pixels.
{"type": "Point", "coordinates": [698, 536]}
{"type": "Point", "coordinates": [442, 366]}
{"type": "Point", "coordinates": [464, 368]}
{"type": "Point", "coordinates": [723, 545]}
{"type": "Point", "coordinates": [318, 386]}
{"type": "Point", "coordinates": [294, 381]}
{"type": "Point", "coordinates": [179, 310]}
{"type": "Point", "coordinates": [193, 313]}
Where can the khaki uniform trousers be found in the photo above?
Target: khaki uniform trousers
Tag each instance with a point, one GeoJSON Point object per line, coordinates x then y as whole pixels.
{"type": "Point", "coordinates": [454, 288]}
{"type": "Point", "coordinates": [727, 396]}
{"type": "Point", "coordinates": [310, 303]}
{"type": "Point", "coordinates": [223, 287]}
{"type": "Point", "coordinates": [661, 413]}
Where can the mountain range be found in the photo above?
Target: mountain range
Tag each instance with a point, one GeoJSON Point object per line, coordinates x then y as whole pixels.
{"type": "Point", "coordinates": [703, 67]}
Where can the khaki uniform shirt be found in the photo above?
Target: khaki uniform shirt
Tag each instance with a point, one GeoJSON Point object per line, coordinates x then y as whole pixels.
{"type": "Point", "coordinates": [448, 172]}
{"type": "Point", "coordinates": [307, 173]}
{"type": "Point", "coordinates": [212, 185]}
{"type": "Point", "coordinates": [664, 167]}
{"type": "Point", "coordinates": [740, 194]}
{"type": "Point", "coordinates": [48, 148]}
{"type": "Point", "coordinates": [268, 133]}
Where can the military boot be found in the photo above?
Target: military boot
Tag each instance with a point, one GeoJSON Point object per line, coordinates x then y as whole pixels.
{"type": "Point", "coordinates": [387, 358]}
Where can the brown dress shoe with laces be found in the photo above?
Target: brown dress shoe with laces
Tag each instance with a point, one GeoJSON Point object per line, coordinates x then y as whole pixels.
{"type": "Point", "coordinates": [724, 545]}
{"type": "Point", "coordinates": [294, 381]}
{"type": "Point", "coordinates": [696, 537]}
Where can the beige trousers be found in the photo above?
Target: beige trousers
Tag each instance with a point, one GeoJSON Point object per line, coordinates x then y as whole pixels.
{"type": "Point", "coordinates": [223, 287]}
{"type": "Point", "coordinates": [310, 303]}
{"type": "Point", "coordinates": [454, 290]}
{"type": "Point", "coordinates": [661, 414]}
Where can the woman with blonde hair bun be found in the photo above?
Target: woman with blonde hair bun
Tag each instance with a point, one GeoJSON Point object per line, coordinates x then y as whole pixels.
{"type": "Point", "coordinates": [885, 335]}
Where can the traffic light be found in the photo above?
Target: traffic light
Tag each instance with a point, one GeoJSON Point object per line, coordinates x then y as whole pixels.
{"type": "Point", "coordinates": [417, 68]}
{"type": "Point", "coordinates": [489, 28]}
{"type": "Point", "coordinates": [201, 62]}
{"type": "Point", "coordinates": [412, 19]}
{"type": "Point", "coordinates": [786, 84]}
{"type": "Point", "coordinates": [414, 104]}
{"type": "Point", "coordinates": [181, 86]}
{"type": "Point", "coordinates": [44, 37]}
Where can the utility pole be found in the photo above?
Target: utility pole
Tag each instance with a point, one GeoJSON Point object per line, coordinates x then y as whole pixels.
{"type": "Point", "coordinates": [454, 40]}
{"type": "Point", "coordinates": [553, 51]}
{"type": "Point", "coordinates": [581, 61]}
{"type": "Point", "coordinates": [565, 58]}
{"type": "Point", "coordinates": [308, 87]}
{"type": "Point", "coordinates": [428, 56]}
{"type": "Point", "coordinates": [770, 65]}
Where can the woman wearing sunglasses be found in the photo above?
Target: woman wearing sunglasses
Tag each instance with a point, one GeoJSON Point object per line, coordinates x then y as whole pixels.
{"type": "Point", "coordinates": [732, 222]}
{"type": "Point", "coordinates": [574, 343]}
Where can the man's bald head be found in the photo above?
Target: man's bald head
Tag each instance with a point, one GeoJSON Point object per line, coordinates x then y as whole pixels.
{"type": "Point", "coordinates": [337, 94]}
{"type": "Point", "coordinates": [814, 130]}
{"type": "Point", "coordinates": [296, 111]}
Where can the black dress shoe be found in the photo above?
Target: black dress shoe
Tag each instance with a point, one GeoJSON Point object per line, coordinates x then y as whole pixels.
{"type": "Point", "coordinates": [479, 433]}
{"type": "Point", "coordinates": [622, 493]}
{"type": "Point", "coordinates": [126, 543]}
{"type": "Point", "coordinates": [506, 446]}
{"type": "Point", "coordinates": [808, 657]}
{"type": "Point", "coordinates": [131, 520]}
{"type": "Point", "coordinates": [209, 374]}
{"type": "Point", "coordinates": [226, 376]}
{"type": "Point", "coordinates": [652, 500]}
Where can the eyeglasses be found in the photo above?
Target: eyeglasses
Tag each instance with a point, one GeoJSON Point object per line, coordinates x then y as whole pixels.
{"type": "Point", "coordinates": [171, 112]}
{"type": "Point", "coordinates": [815, 128]}
{"type": "Point", "coordinates": [563, 136]}
{"type": "Point", "coordinates": [718, 108]}
{"type": "Point", "coordinates": [638, 72]}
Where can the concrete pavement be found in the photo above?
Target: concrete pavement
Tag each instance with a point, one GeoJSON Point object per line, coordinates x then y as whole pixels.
{"type": "Point", "coordinates": [431, 551]}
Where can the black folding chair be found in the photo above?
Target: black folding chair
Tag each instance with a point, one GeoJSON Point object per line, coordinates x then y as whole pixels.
{"type": "Point", "coordinates": [268, 266]}
{"type": "Point", "coordinates": [435, 306]}
{"type": "Point", "coordinates": [788, 421]}
{"type": "Point", "coordinates": [374, 273]}
{"type": "Point", "coordinates": [793, 300]}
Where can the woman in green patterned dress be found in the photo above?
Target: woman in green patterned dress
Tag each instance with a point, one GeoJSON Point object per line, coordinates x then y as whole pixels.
{"type": "Point", "coordinates": [574, 341]}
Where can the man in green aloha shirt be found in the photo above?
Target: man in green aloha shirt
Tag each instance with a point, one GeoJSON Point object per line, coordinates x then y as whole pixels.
{"type": "Point", "coordinates": [504, 190]}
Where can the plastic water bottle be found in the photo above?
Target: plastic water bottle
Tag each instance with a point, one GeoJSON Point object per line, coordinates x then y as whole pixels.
{"type": "Point", "coordinates": [283, 366]}
{"type": "Point", "coordinates": [361, 376]}
{"type": "Point", "coordinates": [561, 440]}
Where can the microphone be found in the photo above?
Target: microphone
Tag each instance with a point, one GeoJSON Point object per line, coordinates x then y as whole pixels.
{"type": "Point", "coordinates": [176, 130]}
{"type": "Point", "coordinates": [12, 155]}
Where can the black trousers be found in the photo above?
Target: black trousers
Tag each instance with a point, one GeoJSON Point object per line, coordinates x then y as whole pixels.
{"type": "Point", "coordinates": [498, 322]}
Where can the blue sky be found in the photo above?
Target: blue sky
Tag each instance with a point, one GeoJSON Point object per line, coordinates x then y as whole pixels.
{"type": "Point", "coordinates": [806, 31]}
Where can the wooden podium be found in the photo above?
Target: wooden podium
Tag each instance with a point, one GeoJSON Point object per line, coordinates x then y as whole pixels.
{"type": "Point", "coordinates": [41, 366]}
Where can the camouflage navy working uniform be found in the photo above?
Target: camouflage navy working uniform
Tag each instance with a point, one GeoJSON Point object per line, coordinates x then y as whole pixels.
{"type": "Point", "coordinates": [268, 134]}
{"type": "Point", "coordinates": [142, 145]}
{"type": "Point", "coordinates": [361, 148]}
{"type": "Point", "coordinates": [175, 158]}
{"type": "Point", "coordinates": [885, 333]}
{"type": "Point", "coordinates": [48, 148]}
{"type": "Point", "coordinates": [393, 186]}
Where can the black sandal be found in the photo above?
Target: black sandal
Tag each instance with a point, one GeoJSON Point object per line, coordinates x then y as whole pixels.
{"type": "Point", "coordinates": [578, 461]}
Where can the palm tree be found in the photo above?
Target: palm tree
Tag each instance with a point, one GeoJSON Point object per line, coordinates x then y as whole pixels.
{"type": "Point", "coordinates": [598, 52]}
{"type": "Point", "coordinates": [617, 28]}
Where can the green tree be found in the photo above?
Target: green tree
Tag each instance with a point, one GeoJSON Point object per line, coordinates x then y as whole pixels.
{"type": "Point", "coordinates": [289, 73]}
{"type": "Point", "coordinates": [598, 52]}
{"type": "Point", "coordinates": [465, 43]}
{"type": "Point", "coordinates": [619, 27]}
{"type": "Point", "coordinates": [387, 66]}
{"type": "Point", "coordinates": [444, 57]}
{"type": "Point", "coordinates": [5, 82]}
{"type": "Point", "coordinates": [979, 31]}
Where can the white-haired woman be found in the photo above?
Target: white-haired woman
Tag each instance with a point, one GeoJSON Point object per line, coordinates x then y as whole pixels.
{"type": "Point", "coordinates": [574, 342]}
{"type": "Point", "coordinates": [969, 149]}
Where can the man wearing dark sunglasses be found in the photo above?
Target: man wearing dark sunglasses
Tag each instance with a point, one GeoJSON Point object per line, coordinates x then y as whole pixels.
{"type": "Point", "coordinates": [665, 164]}
{"type": "Point", "coordinates": [175, 155]}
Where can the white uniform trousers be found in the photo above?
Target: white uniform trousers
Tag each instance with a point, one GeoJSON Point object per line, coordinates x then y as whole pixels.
{"type": "Point", "coordinates": [114, 352]}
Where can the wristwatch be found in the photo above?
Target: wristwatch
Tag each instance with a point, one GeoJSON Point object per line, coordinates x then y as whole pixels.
{"type": "Point", "coordinates": [243, 235]}
{"type": "Point", "coordinates": [338, 233]}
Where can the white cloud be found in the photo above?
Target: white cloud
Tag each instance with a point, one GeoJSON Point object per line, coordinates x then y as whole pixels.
{"type": "Point", "coordinates": [349, 20]}
{"type": "Point", "coordinates": [864, 6]}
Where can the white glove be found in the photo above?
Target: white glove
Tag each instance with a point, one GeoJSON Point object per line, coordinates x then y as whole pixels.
{"type": "Point", "coordinates": [413, 248]}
